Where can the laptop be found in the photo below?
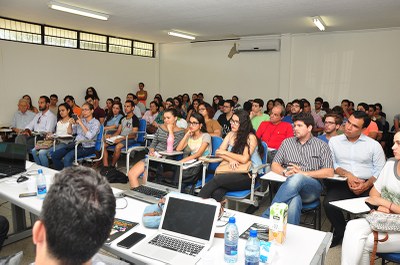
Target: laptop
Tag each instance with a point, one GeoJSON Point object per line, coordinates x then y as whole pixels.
{"type": "Point", "coordinates": [12, 159]}
{"type": "Point", "coordinates": [163, 176]}
{"type": "Point", "coordinates": [186, 230]}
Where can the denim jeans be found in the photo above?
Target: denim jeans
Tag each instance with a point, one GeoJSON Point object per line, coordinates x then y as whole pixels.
{"type": "Point", "coordinates": [68, 153]}
{"type": "Point", "coordinates": [295, 191]}
{"type": "Point", "coordinates": [41, 156]}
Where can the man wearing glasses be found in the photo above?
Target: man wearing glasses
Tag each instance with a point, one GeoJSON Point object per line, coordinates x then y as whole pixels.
{"type": "Point", "coordinates": [44, 122]}
{"type": "Point", "coordinates": [332, 123]}
{"type": "Point", "coordinates": [224, 119]}
{"type": "Point", "coordinates": [358, 158]}
{"type": "Point", "coordinates": [297, 107]}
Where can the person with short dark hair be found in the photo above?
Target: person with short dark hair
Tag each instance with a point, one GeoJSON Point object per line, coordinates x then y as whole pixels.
{"type": "Point", "coordinates": [4, 226]}
{"type": "Point", "coordinates": [318, 101]}
{"type": "Point", "coordinates": [136, 111]}
{"type": "Point", "coordinates": [98, 113]}
{"type": "Point", "coordinates": [236, 105]}
{"type": "Point", "coordinates": [358, 158]}
{"type": "Point", "coordinates": [372, 129]}
{"type": "Point", "coordinates": [220, 109]}
{"type": "Point", "coordinates": [53, 104]}
{"type": "Point", "coordinates": [76, 218]}
{"type": "Point", "coordinates": [212, 126]}
{"type": "Point", "coordinates": [117, 99]}
{"type": "Point", "coordinates": [319, 125]}
{"type": "Point", "coordinates": [71, 102]}
{"type": "Point", "coordinates": [345, 107]}
{"type": "Point", "coordinates": [332, 123]}
{"type": "Point", "coordinates": [224, 119]}
{"type": "Point", "coordinates": [296, 108]}
{"type": "Point", "coordinates": [256, 115]}
{"type": "Point", "coordinates": [305, 161]}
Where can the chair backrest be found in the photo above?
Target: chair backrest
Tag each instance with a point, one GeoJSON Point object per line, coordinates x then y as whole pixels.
{"type": "Point", "coordinates": [141, 131]}
{"type": "Point", "coordinates": [99, 139]}
{"type": "Point", "coordinates": [264, 158]}
{"type": "Point", "coordinates": [216, 142]}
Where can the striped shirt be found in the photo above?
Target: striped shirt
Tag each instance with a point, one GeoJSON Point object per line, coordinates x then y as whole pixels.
{"type": "Point", "coordinates": [312, 155]}
{"type": "Point", "coordinates": [159, 142]}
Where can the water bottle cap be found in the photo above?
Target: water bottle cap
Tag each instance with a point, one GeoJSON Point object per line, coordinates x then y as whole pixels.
{"type": "Point", "coordinates": [253, 233]}
{"type": "Point", "coordinates": [232, 220]}
{"type": "Point", "coordinates": [40, 171]}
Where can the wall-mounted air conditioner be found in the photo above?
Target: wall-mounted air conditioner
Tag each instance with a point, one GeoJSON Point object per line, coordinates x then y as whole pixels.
{"type": "Point", "coordinates": [258, 45]}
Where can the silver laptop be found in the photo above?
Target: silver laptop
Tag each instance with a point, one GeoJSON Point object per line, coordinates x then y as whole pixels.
{"type": "Point", "coordinates": [163, 176]}
{"type": "Point", "coordinates": [186, 230]}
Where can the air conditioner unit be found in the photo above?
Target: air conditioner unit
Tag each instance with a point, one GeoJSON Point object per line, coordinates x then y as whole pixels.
{"type": "Point", "coordinates": [259, 45]}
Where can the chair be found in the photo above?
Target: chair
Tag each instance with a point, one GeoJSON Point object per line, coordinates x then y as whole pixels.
{"type": "Point", "coordinates": [314, 208]}
{"type": "Point", "coordinates": [389, 257]}
{"type": "Point", "coordinates": [141, 134]}
{"type": "Point", "coordinates": [251, 195]}
{"type": "Point", "coordinates": [98, 148]}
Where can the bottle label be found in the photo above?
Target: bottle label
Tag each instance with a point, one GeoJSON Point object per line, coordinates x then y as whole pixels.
{"type": "Point", "coordinates": [231, 250]}
{"type": "Point", "coordinates": [41, 189]}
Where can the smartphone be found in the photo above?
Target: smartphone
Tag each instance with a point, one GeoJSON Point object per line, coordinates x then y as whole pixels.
{"type": "Point", "coordinates": [28, 194]}
{"type": "Point", "coordinates": [371, 206]}
{"type": "Point", "coordinates": [131, 240]}
{"type": "Point", "coordinates": [75, 117]}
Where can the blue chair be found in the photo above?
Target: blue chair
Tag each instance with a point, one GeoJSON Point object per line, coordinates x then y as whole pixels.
{"type": "Point", "coordinates": [139, 145]}
{"type": "Point", "coordinates": [252, 195]}
{"type": "Point", "coordinates": [389, 257]}
{"type": "Point", "coordinates": [99, 148]}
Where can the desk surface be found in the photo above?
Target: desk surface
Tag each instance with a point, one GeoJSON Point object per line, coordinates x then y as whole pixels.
{"type": "Point", "coordinates": [280, 178]}
{"type": "Point", "coordinates": [355, 206]}
{"type": "Point", "coordinates": [306, 246]}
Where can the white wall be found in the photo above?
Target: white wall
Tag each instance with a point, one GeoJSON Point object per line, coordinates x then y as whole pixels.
{"type": "Point", "coordinates": [37, 70]}
{"type": "Point", "coordinates": [361, 66]}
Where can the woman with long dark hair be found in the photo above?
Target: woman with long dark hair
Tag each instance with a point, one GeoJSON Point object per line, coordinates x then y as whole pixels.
{"type": "Point", "coordinates": [213, 126]}
{"type": "Point", "coordinates": [239, 146]}
{"type": "Point", "coordinates": [31, 107]}
{"type": "Point", "coordinates": [114, 116]}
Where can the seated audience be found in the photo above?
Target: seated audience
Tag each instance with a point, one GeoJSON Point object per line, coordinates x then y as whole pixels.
{"type": "Point", "coordinates": [41, 156]}
{"type": "Point", "coordinates": [90, 91]}
{"type": "Point", "coordinates": [224, 119]}
{"type": "Point", "coordinates": [22, 117]}
{"type": "Point", "coordinates": [220, 109]}
{"type": "Point", "coordinates": [85, 128]}
{"type": "Point", "coordinates": [159, 143]}
{"type": "Point", "coordinates": [269, 106]}
{"type": "Point", "coordinates": [358, 238]}
{"type": "Point", "coordinates": [358, 158]}
{"type": "Point", "coordinates": [185, 102]}
{"type": "Point", "coordinates": [43, 122]}
{"type": "Point", "coordinates": [117, 99]}
{"type": "Point", "coordinates": [108, 107]}
{"type": "Point", "coordinates": [114, 117]}
{"type": "Point", "coordinates": [31, 107]}
{"type": "Point", "coordinates": [212, 126]}
{"type": "Point", "coordinates": [99, 114]}
{"type": "Point", "coordinates": [236, 104]}
{"type": "Point", "coordinates": [193, 108]}
{"type": "Point", "coordinates": [215, 103]}
{"type": "Point", "coordinates": [4, 226]}
{"type": "Point", "coordinates": [76, 218]}
{"type": "Point", "coordinates": [256, 115]}
{"type": "Point", "coordinates": [71, 102]}
{"type": "Point", "coordinates": [150, 115]}
{"type": "Point", "coordinates": [372, 128]}
{"type": "Point", "coordinates": [345, 104]}
{"type": "Point", "coordinates": [53, 104]}
{"type": "Point", "coordinates": [318, 107]}
{"type": "Point", "coordinates": [140, 105]}
{"type": "Point", "coordinates": [296, 108]}
{"type": "Point", "coordinates": [178, 106]}
{"type": "Point", "coordinates": [127, 127]}
{"type": "Point", "coordinates": [319, 125]}
{"type": "Point", "coordinates": [137, 112]}
{"type": "Point", "coordinates": [332, 123]}
{"type": "Point", "coordinates": [305, 161]}
{"type": "Point", "coordinates": [396, 122]}
{"type": "Point", "coordinates": [239, 146]}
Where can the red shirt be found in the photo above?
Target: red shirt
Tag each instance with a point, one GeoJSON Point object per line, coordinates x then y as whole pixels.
{"type": "Point", "coordinates": [272, 134]}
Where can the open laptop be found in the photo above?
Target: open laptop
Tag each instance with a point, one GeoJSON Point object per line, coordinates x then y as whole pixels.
{"type": "Point", "coordinates": [186, 230]}
{"type": "Point", "coordinates": [12, 159]}
{"type": "Point", "coordinates": [163, 176]}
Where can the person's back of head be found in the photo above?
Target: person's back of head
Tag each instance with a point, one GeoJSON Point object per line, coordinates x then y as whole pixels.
{"type": "Point", "coordinates": [76, 218]}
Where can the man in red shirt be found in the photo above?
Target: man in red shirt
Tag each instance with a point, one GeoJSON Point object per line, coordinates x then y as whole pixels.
{"type": "Point", "coordinates": [274, 131]}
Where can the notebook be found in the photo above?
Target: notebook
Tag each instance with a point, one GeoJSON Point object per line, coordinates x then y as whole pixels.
{"type": "Point", "coordinates": [163, 176]}
{"type": "Point", "coordinates": [186, 230]}
{"type": "Point", "coordinates": [12, 159]}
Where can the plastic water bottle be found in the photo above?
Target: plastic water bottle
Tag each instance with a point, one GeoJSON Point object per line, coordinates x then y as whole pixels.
{"type": "Point", "coordinates": [231, 241]}
{"type": "Point", "coordinates": [170, 143]}
{"type": "Point", "coordinates": [252, 251]}
{"type": "Point", "coordinates": [41, 184]}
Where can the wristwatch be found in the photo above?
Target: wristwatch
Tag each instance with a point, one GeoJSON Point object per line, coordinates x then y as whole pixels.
{"type": "Point", "coordinates": [284, 171]}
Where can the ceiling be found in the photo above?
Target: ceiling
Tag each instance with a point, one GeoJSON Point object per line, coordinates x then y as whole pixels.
{"type": "Point", "coordinates": [150, 20]}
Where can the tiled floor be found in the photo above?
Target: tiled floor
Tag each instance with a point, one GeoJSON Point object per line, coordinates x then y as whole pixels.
{"type": "Point", "coordinates": [26, 245]}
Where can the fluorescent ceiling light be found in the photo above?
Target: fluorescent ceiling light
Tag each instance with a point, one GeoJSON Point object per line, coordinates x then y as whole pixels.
{"type": "Point", "coordinates": [181, 35]}
{"type": "Point", "coordinates": [319, 23]}
{"type": "Point", "coordinates": [78, 11]}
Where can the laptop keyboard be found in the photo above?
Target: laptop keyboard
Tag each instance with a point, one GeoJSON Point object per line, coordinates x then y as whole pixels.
{"type": "Point", "coordinates": [6, 171]}
{"type": "Point", "coordinates": [150, 191]}
{"type": "Point", "coordinates": [178, 245]}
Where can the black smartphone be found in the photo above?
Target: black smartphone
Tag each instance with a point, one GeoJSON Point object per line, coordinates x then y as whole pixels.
{"type": "Point", "coordinates": [371, 206]}
{"type": "Point", "coordinates": [28, 194]}
{"type": "Point", "coordinates": [131, 240]}
{"type": "Point", "coordinates": [75, 117]}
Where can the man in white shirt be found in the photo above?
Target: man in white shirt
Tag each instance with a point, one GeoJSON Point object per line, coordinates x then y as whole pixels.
{"type": "Point", "coordinates": [22, 117]}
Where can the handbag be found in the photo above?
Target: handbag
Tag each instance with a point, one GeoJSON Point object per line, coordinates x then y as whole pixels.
{"type": "Point", "coordinates": [43, 144]}
{"type": "Point", "coordinates": [224, 168]}
{"type": "Point", "coordinates": [152, 215]}
{"type": "Point", "coordinates": [382, 222]}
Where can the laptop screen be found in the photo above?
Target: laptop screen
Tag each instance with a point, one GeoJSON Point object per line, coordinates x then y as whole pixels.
{"type": "Point", "coordinates": [190, 218]}
{"type": "Point", "coordinates": [165, 173]}
{"type": "Point", "coordinates": [12, 154]}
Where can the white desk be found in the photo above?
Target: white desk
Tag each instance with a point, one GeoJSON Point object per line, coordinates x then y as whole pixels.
{"type": "Point", "coordinates": [354, 206]}
{"type": "Point", "coordinates": [272, 176]}
{"type": "Point", "coordinates": [302, 245]}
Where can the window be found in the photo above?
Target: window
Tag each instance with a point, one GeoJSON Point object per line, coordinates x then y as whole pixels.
{"type": "Point", "coordinates": [93, 42]}
{"type": "Point", "coordinates": [20, 31]}
{"type": "Point", "coordinates": [120, 45]}
{"type": "Point", "coordinates": [143, 49]}
{"type": "Point", "coordinates": [60, 37]}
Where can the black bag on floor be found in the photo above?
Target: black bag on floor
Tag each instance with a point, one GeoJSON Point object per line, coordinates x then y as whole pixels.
{"type": "Point", "coordinates": [113, 175]}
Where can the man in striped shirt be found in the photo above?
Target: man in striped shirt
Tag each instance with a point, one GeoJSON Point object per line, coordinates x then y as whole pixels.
{"type": "Point", "coordinates": [304, 160]}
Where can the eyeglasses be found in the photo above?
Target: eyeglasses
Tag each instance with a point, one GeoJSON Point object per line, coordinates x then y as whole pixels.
{"type": "Point", "coordinates": [85, 109]}
{"type": "Point", "coordinates": [236, 123]}
{"type": "Point", "coordinates": [193, 123]}
{"type": "Point", "coordinates": [329, 122]}
{"type": "Point", "coordinates": [227, 106]}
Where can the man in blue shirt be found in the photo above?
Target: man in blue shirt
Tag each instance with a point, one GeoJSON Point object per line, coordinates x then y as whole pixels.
{"type": "Point", "coordinates": [332, 124]}
{"type": "Point", "coordinates": [360, 159]}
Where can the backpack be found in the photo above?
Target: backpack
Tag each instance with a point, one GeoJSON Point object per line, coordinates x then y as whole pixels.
{"type": "Point", "coordinates": [113, 175]}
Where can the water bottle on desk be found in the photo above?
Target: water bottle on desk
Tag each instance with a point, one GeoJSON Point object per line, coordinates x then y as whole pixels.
{"type": "Point", "coordinates": [252, 251]}
{"type": "Point", "coordinates": [41, 184]}
{"type": "Point", "coordinates": [231, 241]}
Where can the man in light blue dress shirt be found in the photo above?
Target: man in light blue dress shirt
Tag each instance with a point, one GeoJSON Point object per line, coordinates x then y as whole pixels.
{"type": "Point", "coordinates": [360, 159]}
{"type": "Point", "coordinates": [22, 117]}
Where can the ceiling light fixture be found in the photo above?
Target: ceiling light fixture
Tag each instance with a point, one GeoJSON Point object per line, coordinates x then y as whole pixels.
{"type": "Point", "coordinates": [319, 23]}
{"type": "Point", "coordinates": [181, 35]}
{"type": "Point", "coordinates": [78, 11]}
